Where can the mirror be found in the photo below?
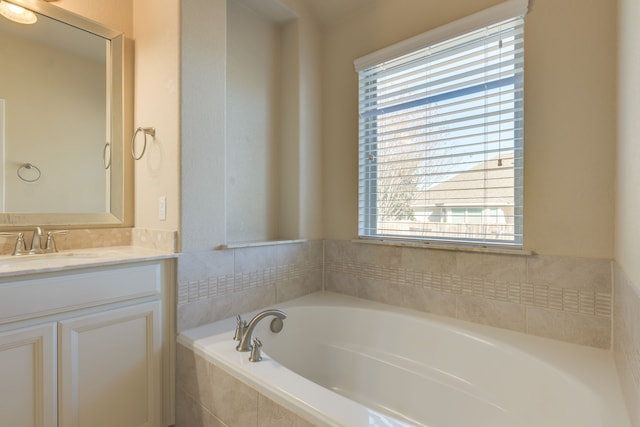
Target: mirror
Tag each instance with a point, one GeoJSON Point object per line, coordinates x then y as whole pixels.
{"type": "Point", "coordinates": [61, 120]}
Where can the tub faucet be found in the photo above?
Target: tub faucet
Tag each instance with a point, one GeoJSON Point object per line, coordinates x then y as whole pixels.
{"type": "Point", "coordinates": [247, 332]}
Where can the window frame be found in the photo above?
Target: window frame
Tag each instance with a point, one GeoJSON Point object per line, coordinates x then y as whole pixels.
{"type": "Point", "coordinates": [368, 173]}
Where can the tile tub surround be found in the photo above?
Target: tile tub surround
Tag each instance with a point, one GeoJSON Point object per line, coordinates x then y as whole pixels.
{"type": "Point", "coordinates": [215, 285]}
{"type": "Point", "coordinates": [564, 298]}
{"type": "Point", "coordinates": [626, 340]}
{"type": "Point", "coordinates": [206, 395]}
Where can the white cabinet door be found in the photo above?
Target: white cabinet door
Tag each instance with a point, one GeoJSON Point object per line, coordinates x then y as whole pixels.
{"type": "Point", "coordinates": [28, 377]}
{"type": "Point", "coordinates": [110, 368]}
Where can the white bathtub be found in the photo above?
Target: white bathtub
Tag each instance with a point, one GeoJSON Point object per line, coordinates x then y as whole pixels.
{"type": "Point", "coordinates": [342, 361]}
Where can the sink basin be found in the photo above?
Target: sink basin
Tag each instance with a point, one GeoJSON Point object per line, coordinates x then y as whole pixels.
{"type": "Point", "coordinates": [45, 259]}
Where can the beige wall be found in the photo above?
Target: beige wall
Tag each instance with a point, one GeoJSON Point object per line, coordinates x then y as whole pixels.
{"type": "Point", "coordinates": [627, 236]}
{"type": "Point", "coordinates": [203, 100]}
{"type": "Point", "coordinates": [628, 171]}
{"type": "Point", "coordinates": [253, 125]}
{"type": "Point", "coordinates": [116, 14]}
{"type": "Point", "coordinates": [569, 115]}
{"type": "Point", "coordinates": [157, 104]}
{"type": "Point", "coordinates": [310, 94]}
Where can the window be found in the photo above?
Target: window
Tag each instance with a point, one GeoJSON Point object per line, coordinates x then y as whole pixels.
{"type": "Point", "coordinates": [441, 137]}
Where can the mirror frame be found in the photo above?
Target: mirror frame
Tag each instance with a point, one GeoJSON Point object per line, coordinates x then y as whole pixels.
{"type": "Point", "coordinates": [120, 106]}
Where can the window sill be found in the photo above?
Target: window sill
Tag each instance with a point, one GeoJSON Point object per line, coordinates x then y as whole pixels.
{"type": "Point", "coordinates": [441, 246]}
{"type": "Point", "coordinates": [240, 245]}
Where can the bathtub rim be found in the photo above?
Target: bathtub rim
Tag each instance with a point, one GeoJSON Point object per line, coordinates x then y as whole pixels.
{"type": "Point", "coordinates": [558, 355]}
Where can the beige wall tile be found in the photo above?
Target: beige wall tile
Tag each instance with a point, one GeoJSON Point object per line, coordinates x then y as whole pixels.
{"type": "Point", "coordinates": [189, 413]}
{"type": "Point", "coordinates": [204, 265]}
{"type": "Point", "coordinates": [379, 290]}
{"type": "Point", "coordinates": [570, 327]}
{"type": "Point", "coordinates": [337, 281]}
{"type": "Point", "coordinates": [213, 285]}
{"type": "Point", "coordinates": [570, 272]}
{"type": "Point", "coordinates": [506, 268]}
{"type": "Point", "coordinates": [299, 253]}
{"type": "Point", "coordinates": [342, 251]}
{"type": "Point", "coordinates": [192, 373]}
{"type": "Point", "coordinates": [485, 288]}
{"type": "Point", "coordinates": [252, 299]}
{"type": "Point", "coordinates": [416, 298]}
{"type": "Point", "coordinates": [208, 396]}
{"type": "Point", "coordinates": [493, 313]}
{"type": "Point", "coordinates": [435, 302]}
{"type": "Point", "coordinates": [255, 258]}
{"type": "Point", "coordinates": [270, 414]}
{"type": "Point", "coordinates": [213, 309]}
{"type": "Point", "coordinates": [305, 284]}
{"type": "Point", "coordinates": [389, 256]}
{"type": "Point", "coordinates": [433, 261]}
{"type": "Point", "coordinates": [232, 401]}
{"type": "Point", "coordinates": [626, 339]}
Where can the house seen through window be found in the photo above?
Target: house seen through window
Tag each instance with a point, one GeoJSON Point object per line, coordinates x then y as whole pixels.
{"type": "Point", "coordinates": [441, 140]}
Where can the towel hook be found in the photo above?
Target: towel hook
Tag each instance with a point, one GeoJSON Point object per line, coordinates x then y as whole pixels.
{"type": "Point", "coordinates": [28, 166]}
{"type": "Point", "coordinates": [147, 131]}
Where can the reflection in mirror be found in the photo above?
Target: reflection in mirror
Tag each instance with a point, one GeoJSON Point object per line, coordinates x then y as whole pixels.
{"type": "Point", "coordinates": [60, 120]}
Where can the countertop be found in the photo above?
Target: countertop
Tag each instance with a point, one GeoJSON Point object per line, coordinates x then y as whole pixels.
{"type": "Point", "coordinates": [75, 259]}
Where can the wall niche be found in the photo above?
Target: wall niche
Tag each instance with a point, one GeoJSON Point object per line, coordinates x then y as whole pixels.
{"type": "Point", "coordinates": [262, 137]}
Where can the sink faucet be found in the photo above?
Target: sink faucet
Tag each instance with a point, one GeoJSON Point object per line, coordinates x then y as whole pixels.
{"type": "Point", "coordinates": [247, 332]}
{"type": "Point", "coordinates": [36, 241]}
{"type": "Point", "coordinates": [20, 247]}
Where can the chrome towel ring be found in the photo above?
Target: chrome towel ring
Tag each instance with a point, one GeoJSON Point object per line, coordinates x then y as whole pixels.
{"type": "Point", "coordinates": [27, 167]}
{"type": "Point", "coordinates": [147, 131]}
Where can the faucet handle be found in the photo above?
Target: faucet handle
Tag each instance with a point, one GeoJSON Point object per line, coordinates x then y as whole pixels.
{"type": "Point", "coordinates": [20, 247]}
{"type": "Point", "coordinates": [256, 353]}
{"type": "Point", "coordinates": [50, 246]}
{"type": "Point", "coordinates": [241, 326]}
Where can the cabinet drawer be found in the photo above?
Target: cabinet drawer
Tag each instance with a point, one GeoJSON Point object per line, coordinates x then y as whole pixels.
{"type": "Point", "coordinates": [22, 298]}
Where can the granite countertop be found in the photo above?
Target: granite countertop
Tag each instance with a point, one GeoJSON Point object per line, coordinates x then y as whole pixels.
{"type": "Point", "coordinates": [75, 259]}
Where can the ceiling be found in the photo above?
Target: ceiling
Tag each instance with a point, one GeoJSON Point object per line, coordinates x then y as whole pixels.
{"type": "Point", "coordinates": [330, 10]}
{"type": "Point", "coordinates": [325, 10]}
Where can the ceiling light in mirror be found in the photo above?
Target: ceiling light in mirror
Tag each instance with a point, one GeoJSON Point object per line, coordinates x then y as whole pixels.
{"type": "Point", "coordinates": [17, 14]}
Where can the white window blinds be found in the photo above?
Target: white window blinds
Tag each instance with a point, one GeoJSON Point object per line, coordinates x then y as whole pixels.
{"type": "Point", "coordinates": [441, 140]}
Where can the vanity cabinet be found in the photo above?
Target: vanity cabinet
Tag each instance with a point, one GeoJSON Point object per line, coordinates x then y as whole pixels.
{"type": "Point", "coordinates": [28, 376]}
{"type": "Point", "coordinates": [88, 347]}
{"type": "Point", "coordinates": [110, 373]}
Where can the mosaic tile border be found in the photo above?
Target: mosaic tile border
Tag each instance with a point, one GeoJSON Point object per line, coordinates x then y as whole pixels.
{"type": "Point", "coordinates": [197, 290]}
{"type": "Point", "coordinates": [542, 296]}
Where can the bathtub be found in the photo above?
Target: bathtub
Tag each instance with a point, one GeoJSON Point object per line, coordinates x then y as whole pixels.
{"type": "Point", "coordinates": [343, 361]}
